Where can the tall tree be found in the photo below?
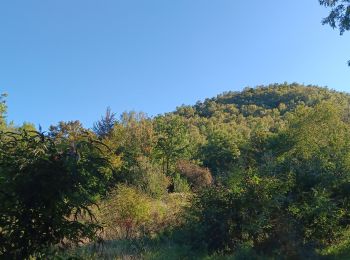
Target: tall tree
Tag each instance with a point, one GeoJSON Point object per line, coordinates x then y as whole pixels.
{"type": "Point", "coordinates": [220, 152]}
{"type": "Point", "coordinates": [133, 138]}
{"type": "Point", "coordinates": [104, 126]}
{"type": "Point", "coordinates": [3, 109]}
{"type": "Point", "coordinates": [172, 142]}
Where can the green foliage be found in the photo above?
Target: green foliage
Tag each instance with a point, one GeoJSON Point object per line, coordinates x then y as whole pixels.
{"type": "Point", "coordinates": [339, 15]}
{"type": "Point", "coordinates": [136, 134]}
{"type": "Point", "coordinates": [172, 141]}
{"type": "Point", "coordinates": [67, 132]}
{"type": "Point", "coordinates": [45, 188]}
{"type": "Point", "coordinates": [133, 139]}
{"type": "Point", "coordinates": [319, 157]}
{"type": "Point", "coordinates": [293, 201]}
{"type": "Point", "coordinates": [340, 249]}
{"type": "Point", "coordinates": [220, 153]}
{"type": "Point", "coordinates": [126, 213]}
{"type": "Point", "coordinates": [279, 155]}
{"type": "Point", "coordinates": [3, 109]}
{"type": "Point", "coordinates": [104, 127]}
{"type": "Point", "coordinates": [180, 184]}
{"type": "Point", "coordinates": [267, 100]}
{"type": "Point", "coordinates": [227, 218]}
{"type": "Point", "coordinates": [149, 178]}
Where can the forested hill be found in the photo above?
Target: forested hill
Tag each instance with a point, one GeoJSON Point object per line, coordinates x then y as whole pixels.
{"type": "Point", "coordinates": [264, 100]}
{"type": "Point", "coordinates": [261, 173]}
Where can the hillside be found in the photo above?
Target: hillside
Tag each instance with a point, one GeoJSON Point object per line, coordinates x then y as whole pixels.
{"type": "Point", "coordinates": [263, 100]}
{"type": "Point", "coordinates": [263, 172]}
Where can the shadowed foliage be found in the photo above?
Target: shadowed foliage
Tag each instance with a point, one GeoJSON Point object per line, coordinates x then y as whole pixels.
{"type": "Point", "coordinates": [45, 189]}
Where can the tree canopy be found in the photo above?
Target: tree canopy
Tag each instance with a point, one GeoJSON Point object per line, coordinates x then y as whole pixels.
{"type": "Point", "coordinates": [339, 16]}
{"type": "Point", "coordinates": [264, 169]}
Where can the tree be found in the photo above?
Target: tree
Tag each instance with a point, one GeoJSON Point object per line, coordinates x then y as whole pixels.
{"type": "Point", "coordinates": [133, 139]}
{"type": "Point", "coordinates": [220, 152]}
{"type": "Point", "coordinates": [314, 153]}
{"type": "Point", "coordinates": [70, 130]}
{"type": "Point", "coordinates": [293, 201]}
{"type": "Point", "coordinates": [3, 109]}
{"type": "Point", "coordinates": [197, 176]}
{"type": "Point", "coordinates": [105, 125]}
{"type": "Point", "coordinates": [242, 214]}
{"type": "Point", "coordinates": [137, 135]}
{"type": "Point", "coordinates": [172, 143]}
{"type": "Point", "coordinates": [339, 16]}
{"type": "Point", "coordinates": [46, 189]}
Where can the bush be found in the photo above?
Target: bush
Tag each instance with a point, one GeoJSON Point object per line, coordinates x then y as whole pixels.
{"type": "Point", "coordinates": [197, 176]}
{"type": "Point", "coordinates": [149, 178]}
{"type": "Point", "coordinates": [126, 213]}
{"type": "Point", "coordinates": [223, 219]}
{"type": "Point", "coordinates": [44, 189]}
{"type": "Point", "coordinates": [180, 184]}
{"type": "Point", "coordinates": [294, 202]}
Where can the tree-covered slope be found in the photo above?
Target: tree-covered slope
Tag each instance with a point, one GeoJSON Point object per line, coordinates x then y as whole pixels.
{"type": "Point", "coordinates": [266, 169]}
{"type": "Point", "coordinates": [261, 100]}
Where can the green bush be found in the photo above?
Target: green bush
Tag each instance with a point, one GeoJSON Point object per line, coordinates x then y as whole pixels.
{"type": "Point", "coordinates": [295, 201]}
{"type": "Point", "coordinates": [225, 218]}
{"type": "Point", "coordinates": [126, 213]}
{"type": "Point", "coordinates": [149, 178]}
{"type": "Point", "coordinates": [180, 184]}
{"type": "Point", "coordinates": [45, 187]}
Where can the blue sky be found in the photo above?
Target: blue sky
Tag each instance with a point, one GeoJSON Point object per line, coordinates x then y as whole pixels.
{"type": "Point", "coordinates": [67, 60]}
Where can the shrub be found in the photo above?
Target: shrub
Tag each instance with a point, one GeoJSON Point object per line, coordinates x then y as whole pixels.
{"type": "Point", "coordinates": [227, 218]}
{"type": "Point", "coordinates": [44, 189]}
{"type": "Point", "coordinates": [125, 213]}
{"type": "Point", "coordinates": [292, 203]}
{"type": "Point", "coordinates": [180, 184]}
{"type": "Point", "coordinates": [128, 213]}
{"type": "Point", "coordinates": [149, 178]}
{"type": "Point", "coordinates": [197, 176]}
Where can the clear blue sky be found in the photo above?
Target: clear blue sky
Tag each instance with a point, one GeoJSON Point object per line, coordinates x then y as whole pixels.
{"type": "Point", "coordinates": [66, 60]}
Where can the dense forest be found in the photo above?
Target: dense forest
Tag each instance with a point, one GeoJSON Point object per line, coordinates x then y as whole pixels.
{"type": "Point", "coordinates": [253, 174]}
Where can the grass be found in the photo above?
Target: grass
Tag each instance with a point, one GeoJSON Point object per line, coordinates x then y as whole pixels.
{"type": "Point", "coordinates": [167, 249]}
{"type": "Point", "coordinates": [151, 249]}
{"type": "Point", "coordinates": [153, 245]}
{"type": "Point", "coordinates": [135, 249]}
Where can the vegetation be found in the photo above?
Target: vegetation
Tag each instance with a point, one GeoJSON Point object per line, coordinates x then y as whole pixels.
{"type": "Point", "coordinates": [261, 173]}
{"type": "Point", "coordinates": [339, 16]}
{"type": "Point", "coordinates": [46, 185]}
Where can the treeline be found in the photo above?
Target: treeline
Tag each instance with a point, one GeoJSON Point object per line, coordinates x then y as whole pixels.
{"type": "Point", "coordinates": [265, 170]}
